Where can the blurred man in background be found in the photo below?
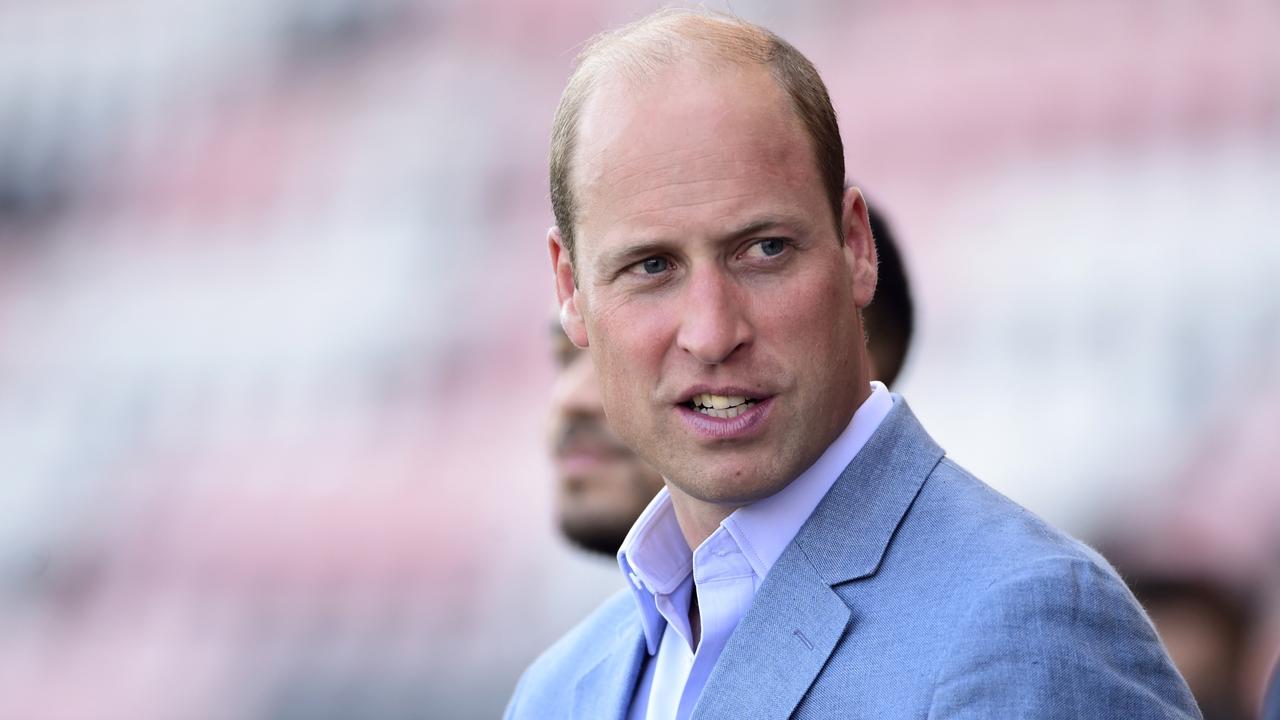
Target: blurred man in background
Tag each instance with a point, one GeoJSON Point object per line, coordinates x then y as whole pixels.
{"type": "Point", "coordinates": [602, 486]}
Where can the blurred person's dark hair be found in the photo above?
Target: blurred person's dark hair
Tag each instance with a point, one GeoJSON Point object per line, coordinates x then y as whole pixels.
{"type": "Point", "coordinates": [890, 318]}
{"type": "Point", "coordinates": [640, 49]}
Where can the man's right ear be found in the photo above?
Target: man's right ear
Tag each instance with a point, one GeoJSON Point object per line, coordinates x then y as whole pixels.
{"type": "Point", "coordinates": [566, 289]}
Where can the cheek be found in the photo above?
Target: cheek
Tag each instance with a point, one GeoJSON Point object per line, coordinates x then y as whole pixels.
{"type": "Point", "coordinates": [815, 325]}
{"type": "Point", "coordinates": [630, 336]}
{"type": "Point", "coordinates": [628, 349]}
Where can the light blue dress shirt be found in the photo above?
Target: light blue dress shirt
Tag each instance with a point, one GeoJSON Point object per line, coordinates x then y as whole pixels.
{"type": "Point", "coordinates": [727, 569]}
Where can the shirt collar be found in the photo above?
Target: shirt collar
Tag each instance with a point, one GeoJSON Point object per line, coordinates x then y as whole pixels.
{"type": "Point", "coordinates": [656, 560]}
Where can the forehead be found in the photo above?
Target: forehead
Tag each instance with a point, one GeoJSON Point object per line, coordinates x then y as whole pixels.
{"type": "Point", "coordinates": [687, 136]}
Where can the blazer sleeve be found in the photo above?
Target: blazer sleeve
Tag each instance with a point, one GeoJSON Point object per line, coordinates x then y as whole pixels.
{"type": "Point", "coordinates": [1062, 638]}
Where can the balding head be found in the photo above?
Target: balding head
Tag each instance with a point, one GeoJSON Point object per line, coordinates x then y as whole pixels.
{"type": "Point", "coordinates": [637, 53]}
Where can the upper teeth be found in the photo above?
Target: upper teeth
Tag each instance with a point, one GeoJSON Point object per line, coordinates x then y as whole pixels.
{"type": "Point", "coordinates": [719, 402]}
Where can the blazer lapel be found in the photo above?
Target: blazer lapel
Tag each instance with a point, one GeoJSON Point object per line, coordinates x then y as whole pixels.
{"type": "Point", "coordinates": [849, 532]}
{"type": "Point", "coordinates": [797, 619]}
{"type": "Point", "coordinates": [604, 692]}
{"type": "Point", "coordinates": [777, 650]}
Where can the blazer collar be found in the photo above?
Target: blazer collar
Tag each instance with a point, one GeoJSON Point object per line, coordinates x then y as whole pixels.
{"type": "Point", "coordinates": [849, 532]}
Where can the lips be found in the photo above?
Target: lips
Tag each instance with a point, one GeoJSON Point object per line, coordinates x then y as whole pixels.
{"type": "Point", "coordinates": [724, 413]}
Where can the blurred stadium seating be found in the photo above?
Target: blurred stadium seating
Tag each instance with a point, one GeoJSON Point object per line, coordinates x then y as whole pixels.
{"type": "Point", "coordinates": [273, 295]}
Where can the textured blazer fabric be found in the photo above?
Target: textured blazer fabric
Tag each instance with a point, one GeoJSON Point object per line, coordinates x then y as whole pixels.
{"type": "Point", "coordinates": [913, 591]}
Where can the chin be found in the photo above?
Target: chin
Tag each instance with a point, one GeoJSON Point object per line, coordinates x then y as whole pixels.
{"type": "Point", "coordinates": [734, 489]}
{"type": "Point", "coordinates": [600, 535]}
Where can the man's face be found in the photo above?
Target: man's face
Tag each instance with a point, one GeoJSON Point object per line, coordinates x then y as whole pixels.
{"type": "Point", "coordinates": [710, 273]}
{"type": "Point", "coordinates": [601, 486]}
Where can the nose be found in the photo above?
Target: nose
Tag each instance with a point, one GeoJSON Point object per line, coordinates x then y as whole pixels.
{"type": "Point", "coordinates": [713, 324]}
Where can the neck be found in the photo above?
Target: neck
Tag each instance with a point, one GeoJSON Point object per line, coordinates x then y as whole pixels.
{"type": "Point", "coordinates": [697, 518]}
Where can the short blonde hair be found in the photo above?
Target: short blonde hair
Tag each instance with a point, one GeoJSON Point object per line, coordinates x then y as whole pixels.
{"type": "Point", "coordinates": [637, 51]}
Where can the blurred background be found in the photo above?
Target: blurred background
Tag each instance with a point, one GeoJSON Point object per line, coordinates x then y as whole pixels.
{"type": "Point", "coordinates": [274, 299]}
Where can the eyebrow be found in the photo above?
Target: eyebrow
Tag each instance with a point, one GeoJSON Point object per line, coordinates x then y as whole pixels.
{"type": "Point", "coordinates": [756, 226]}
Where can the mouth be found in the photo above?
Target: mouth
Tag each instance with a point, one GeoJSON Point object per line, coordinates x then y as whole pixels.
{"type": "Point", "coordinates": [596, 451]}
{"type": "Point", "coordinates": [582, 436]}
{"type": "Point", "coordinates": [723, 414]}
{"type": "Point", "coordinates": [582, 465]}
{"type": "Point", "coordinates": [720, 406]}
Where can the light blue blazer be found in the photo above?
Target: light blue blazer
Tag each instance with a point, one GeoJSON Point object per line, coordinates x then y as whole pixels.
{"type": "Point", "coordinates": [913, 591]}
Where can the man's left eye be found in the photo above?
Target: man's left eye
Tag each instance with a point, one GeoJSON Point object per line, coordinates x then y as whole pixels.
{"type": "Point", "coordinates": [769, 247]}
{"type": "Point", "coordinates": [653, 266]}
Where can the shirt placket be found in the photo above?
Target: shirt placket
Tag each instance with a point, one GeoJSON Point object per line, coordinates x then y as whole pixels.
{"type": "Point", "coordinates": [725, 586]}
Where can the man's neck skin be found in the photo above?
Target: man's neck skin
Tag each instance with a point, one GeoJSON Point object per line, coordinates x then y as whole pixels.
{"type": "Point", "coordinates": [699, 518]}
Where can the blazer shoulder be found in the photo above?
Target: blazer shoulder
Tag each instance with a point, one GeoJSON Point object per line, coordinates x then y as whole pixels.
{"type": "Point", "coordinates": [1058, 635]}
{"type": "Point", "coordinates": [997, 536]}
{"type": "Point", "coordinates": [1043, 622]}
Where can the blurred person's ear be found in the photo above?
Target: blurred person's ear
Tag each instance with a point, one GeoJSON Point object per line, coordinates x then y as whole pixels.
{"type": "Point", "coordinates": [566, 289]}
